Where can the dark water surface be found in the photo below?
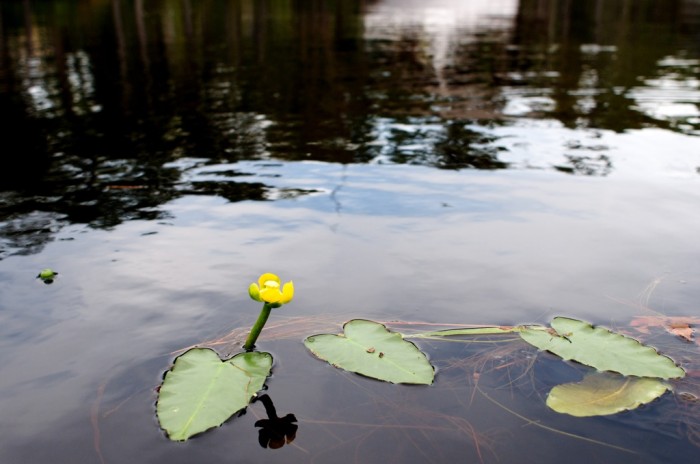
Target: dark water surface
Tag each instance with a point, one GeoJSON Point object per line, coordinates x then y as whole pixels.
{"type": "Point", "coordinates": [446, 162]}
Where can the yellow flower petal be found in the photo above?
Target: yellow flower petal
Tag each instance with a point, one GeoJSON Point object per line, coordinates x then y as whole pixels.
{"type": "Point", "coordinates": [287, 292]}
{"type": "Point", "coordinates": [254, 292]}
{"type": "Point", "coordinates": [267, 277]}
{"type": "Point", "coordinates": [270, 295]}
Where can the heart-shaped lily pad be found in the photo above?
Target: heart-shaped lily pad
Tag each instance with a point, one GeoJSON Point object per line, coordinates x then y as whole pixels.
{"type": "Point", "coordinates": [603, 393]}
{"type": "Point", "coordinates": [201, 391]}
{"type": "Point", "coordinates": [370, 349]}
{"type": "Point", "coordinates": [600, 348]}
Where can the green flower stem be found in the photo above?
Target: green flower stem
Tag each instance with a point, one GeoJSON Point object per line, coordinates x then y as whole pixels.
{"type": "Point", "coordinates": [257, 327]}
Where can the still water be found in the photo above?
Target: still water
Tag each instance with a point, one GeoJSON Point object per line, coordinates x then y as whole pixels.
{"type": "Point", "coordinates": [443, 162]}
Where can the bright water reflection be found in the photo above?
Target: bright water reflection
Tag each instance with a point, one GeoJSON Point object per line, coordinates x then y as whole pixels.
{"type": "Point", "coordinates": [104, 116]}
{"type": "Point", "coordinates": [462, 162]}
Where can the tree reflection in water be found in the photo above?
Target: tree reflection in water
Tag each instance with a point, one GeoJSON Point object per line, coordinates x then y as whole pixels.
{"type": "Point", "coordinates": [114, 102]}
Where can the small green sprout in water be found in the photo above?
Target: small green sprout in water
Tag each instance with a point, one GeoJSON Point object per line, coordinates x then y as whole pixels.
{"type": "Point", "coordinates": [47, 275]}
{"type": "Point", "coordinates": [270, 291]}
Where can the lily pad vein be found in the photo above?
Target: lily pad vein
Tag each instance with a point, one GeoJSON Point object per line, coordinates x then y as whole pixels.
{"type": "Point", "coordinates": [203, 398]}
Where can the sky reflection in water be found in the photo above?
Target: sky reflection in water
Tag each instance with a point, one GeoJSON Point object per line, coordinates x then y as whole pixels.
{"type": "Point", "coordinates": [467, 162]}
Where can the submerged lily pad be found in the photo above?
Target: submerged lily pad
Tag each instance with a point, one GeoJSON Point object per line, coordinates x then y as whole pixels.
{"type": "Point", "coordinates": [201, 391]}
{"type": "Point", "coordinates": [600, 348]}
{"type": "Point", "coordinates": [603, 393]}
{"type": "Point", "coordinates": [370, 349]}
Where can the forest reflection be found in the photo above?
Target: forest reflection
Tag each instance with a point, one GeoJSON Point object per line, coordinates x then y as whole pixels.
{"type": "Point", "coordinates": [606, 54]}
{"type": "Point", "coordinates": [111, 100]}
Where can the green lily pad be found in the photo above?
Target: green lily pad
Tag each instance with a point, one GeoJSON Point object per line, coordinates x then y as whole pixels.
{"type": "Point", "coordinates": [201, 391]}
{"type": "Point", "coordinates": [603, 393]}
{"type": "Point", "coordinates": [466, 331]}
{"type": "Point", "coordinates": [47, 274]}
{"type": "Point", "coordinates": [370, 349]}
{"type": "Point", "coordinates": [600, 348]}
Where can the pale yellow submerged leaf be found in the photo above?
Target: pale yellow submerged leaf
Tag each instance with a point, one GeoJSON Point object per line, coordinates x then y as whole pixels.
{"type": "Point", "coordinates": [604, 393]}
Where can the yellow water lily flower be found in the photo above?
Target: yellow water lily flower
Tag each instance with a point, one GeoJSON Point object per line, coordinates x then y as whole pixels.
{"type": "Point", "coordinates": [268, 290]}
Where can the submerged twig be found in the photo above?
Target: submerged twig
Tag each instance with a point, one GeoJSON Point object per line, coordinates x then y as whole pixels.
{"type": "Point", "coordinates": [551, 429]}
{"type": "Point", "coordinates": [95, 421]}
